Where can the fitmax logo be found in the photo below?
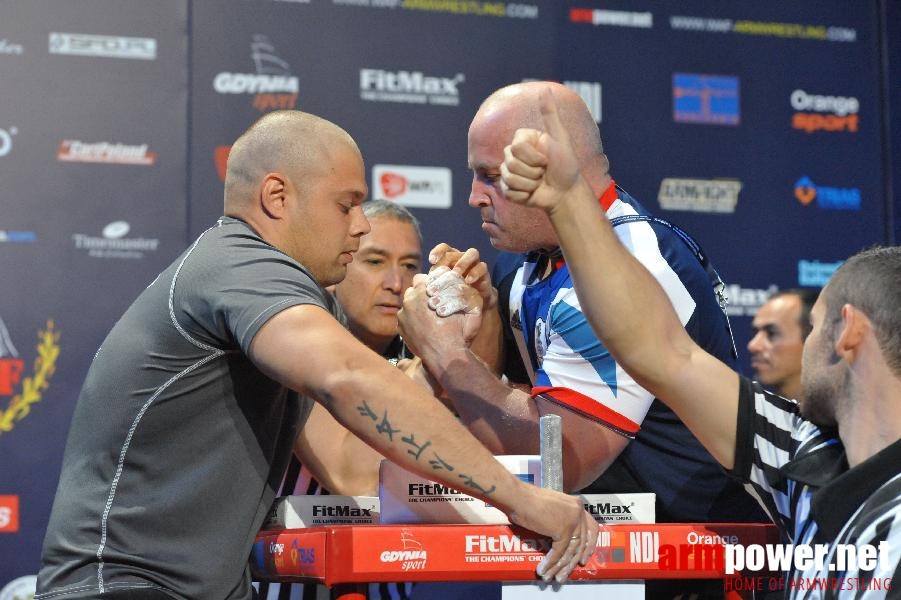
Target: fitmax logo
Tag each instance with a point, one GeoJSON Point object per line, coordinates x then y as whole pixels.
{"type": "Point", "coordinates": [340, 511]}
{"type": "Point", "coordinates": [607, 508]}
{"type": "Point", "coordinates": [430, 489]}
{"type": "Point", "coordinates": [410, 87]}
{"type": "Point", "coordinates": [414, 82]}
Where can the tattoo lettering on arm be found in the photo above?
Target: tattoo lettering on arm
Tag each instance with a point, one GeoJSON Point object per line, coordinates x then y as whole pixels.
{"type": "Point", "coordinates": [366, 411]}
{"type": "Point", "coordinates": [437, 463]}
{"type": "Point", "coordinates": [418, 449]}
{"type": "Point", "coordinates": [470, 482]}
{"type": "Point", "coordinates": [385, 427]}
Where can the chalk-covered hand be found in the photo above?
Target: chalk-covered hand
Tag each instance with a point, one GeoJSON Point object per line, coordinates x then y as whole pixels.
{"type": "Point", "coordinates": [471, 268]}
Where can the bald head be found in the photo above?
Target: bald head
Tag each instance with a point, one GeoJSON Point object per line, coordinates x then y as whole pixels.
{"type": "Point", "coordinates": [517, 106]}
{"type": "Point", "coordinates": [292, 142]}
{"type": "Point", "coordinates": [298, 181]}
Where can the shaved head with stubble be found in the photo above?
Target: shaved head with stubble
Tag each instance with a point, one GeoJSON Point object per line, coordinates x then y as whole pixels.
{"type": "Point", "coordinates": [298, 180]}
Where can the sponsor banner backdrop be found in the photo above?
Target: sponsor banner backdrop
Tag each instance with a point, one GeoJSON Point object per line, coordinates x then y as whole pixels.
{"type": "Point", "coordinates": [776, 172]}
{"type": "Point", "coordinates": [403, 78]}
{"type": "Point", "coordinates": [755, 127]}
{"type": "Point", "coordinates": [93, 176]}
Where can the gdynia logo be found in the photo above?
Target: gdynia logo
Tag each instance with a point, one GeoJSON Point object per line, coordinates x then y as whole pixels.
{"type": "Point", "coordinates": [273, 86]}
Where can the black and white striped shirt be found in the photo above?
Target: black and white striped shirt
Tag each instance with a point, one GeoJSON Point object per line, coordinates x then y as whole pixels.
{"type": "Point", "coordinates": [801, 475]}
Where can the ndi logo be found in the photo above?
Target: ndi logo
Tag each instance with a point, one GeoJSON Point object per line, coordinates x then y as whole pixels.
{"type": "Point", "coordinates": [590, 92]}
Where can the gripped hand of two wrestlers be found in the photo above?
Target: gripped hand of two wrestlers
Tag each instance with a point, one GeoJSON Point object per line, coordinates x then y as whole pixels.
{"type": "Point", "coordinates": [461, 281]}
{"type": "Point", "coordinates": [434, 325]}
{"type": "Point", "coordinates": [540, 167]}
{"type": "Point", "coordinates": [469, 266]}
{"type": "Point", "coordinates": [457, 288]}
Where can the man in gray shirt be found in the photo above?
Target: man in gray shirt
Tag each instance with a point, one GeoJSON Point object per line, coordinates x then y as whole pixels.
{"type": "Point", "coordinates": [185, 424]}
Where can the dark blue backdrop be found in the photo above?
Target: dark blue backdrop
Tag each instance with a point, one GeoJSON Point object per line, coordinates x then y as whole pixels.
{"type": "Point", "coordinates": [762, 128]}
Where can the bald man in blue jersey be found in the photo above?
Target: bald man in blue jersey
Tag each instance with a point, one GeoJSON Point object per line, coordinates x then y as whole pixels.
{"type": "Point", "coordinates": [617, 436]}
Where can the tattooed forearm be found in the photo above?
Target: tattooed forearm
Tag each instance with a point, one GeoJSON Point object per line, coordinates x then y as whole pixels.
{"type": "Point", "coordinates": [411, 440]}
{"type": "Point", "coordinates": [385, 427]}
{"type": "Point", "coordinates": [437, 463]}
{"type": "Point", "coordinates": [366, 411]}
{"type": "Point", "coordinates": [470, 482]}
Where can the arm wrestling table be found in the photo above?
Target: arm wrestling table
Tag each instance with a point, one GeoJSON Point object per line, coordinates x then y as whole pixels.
{"type": "Point", "coordinates": [348, 557]}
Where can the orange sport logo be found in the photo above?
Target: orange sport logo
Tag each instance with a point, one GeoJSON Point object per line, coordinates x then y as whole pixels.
{"type": "Point", "coordinates": [824, 113]}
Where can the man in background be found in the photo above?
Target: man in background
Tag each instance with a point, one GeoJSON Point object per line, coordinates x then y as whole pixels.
{"type": "Point", "coordinates": [778, 332]}
{"type": "Point", "coordinates": [327, 457]}
{"type": "Point", "coordinates": [370, 295]}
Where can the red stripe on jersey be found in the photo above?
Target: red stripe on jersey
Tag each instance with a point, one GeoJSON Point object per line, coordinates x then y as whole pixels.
{"type": "Point", "coordinates": [609, 196]}
{"type": "Point", "coordinates": [606, 200]}
{"type": "Point", "coordinates": [592, 409]}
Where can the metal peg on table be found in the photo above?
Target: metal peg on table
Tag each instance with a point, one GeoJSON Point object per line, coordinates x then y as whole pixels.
{"type": "Point", "coordinates": [551, 432]}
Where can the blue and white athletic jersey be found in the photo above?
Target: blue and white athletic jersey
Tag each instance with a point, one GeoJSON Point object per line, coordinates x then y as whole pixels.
{"type": "Point", "coordinates": [569, 366]}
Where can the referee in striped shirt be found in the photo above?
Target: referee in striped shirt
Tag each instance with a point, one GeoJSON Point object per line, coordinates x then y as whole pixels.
{"type": "Point", "coordinates": [826, 467]}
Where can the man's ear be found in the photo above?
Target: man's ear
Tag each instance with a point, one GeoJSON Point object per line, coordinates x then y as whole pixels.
{"type": "Point", "coordinates": [854, 327]}
{"type": "Point", "coordinates": [273, 195]}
